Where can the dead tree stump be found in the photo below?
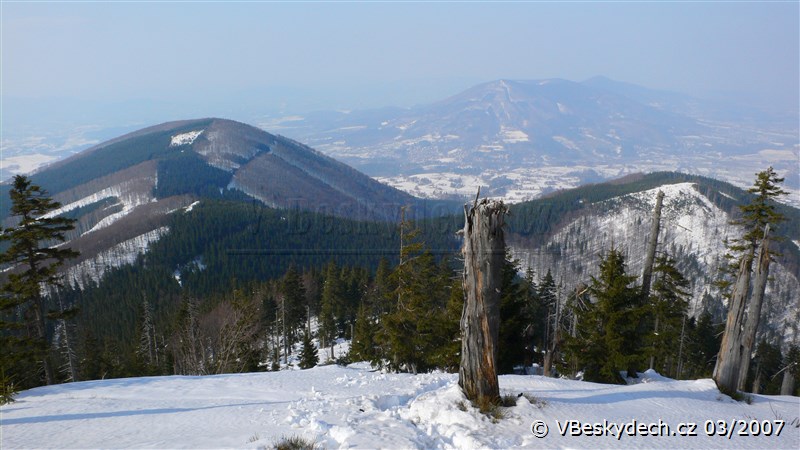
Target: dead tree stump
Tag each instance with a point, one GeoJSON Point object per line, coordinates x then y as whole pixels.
{"type": "Point", "coordinates": [652, 243]}
{"type": "Point", "coordinates": [726, 371]}
{"type": "Point", "coordinates": [484, 255]}
{"type": "Point", "coordinates": [754, 308]}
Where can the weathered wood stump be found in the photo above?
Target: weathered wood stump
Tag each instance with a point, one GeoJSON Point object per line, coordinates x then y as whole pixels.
{"type": "Point", "coordinates": [652, 243]}
{"type": "Point", "coordinates": [484, 255]}
{"type": "Point", "coordinates": [726, 371]}
{"type": "Point", "coordinates": [760, 278]}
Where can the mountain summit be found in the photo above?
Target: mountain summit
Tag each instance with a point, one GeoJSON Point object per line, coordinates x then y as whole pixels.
{"type": "Point", "coordinates": [207, 157]}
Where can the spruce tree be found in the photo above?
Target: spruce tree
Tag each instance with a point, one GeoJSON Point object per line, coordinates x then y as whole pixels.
{"type": "Point", "coordinates": [294, 296]}
{"type": "Point", "coordinates": [309, 356]}
{"type": "Point", "coordinates": [513, 319]}
{"type": "Point", "coordinates": [331, 299]}
{"type": "Point", "coordinates": [35, 260]}
{"type": "Point", "coordinates": [362, 347]}
{"type": "Point", "coordinates": [609, 336]}
{"type": "Point", "coordinates": [547, 323]}
{"type": "Point", "coordinates": [667, 306]}
{"type": "Point", "coordinates": [762, 210]}
{"type": "Point", "coordinates": [411, 334]}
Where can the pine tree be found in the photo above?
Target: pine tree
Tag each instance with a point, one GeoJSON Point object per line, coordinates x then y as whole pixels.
{"type": "Point", "coordinates": [36, 259]}
{"type": "Point", "coordinates": [309, 356]}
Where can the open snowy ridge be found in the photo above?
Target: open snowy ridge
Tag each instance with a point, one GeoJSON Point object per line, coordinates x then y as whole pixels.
{"type": "Point", "coordinates": [355, 407]}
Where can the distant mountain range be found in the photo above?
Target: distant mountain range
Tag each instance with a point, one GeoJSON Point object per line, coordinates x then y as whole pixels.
{"type": "Point", "coordinates": [520, 139]}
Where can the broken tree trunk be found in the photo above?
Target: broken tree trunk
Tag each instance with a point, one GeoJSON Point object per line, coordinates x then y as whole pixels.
{"type": "Point", "coordinates": [484, 254]}
{"type": "Point", "coordinates": [787, 384]}
{"type": "Point", "coordinates": [754, 309]}
{"type": "Point", "coordinates": [652, 243]}
{"type": "Point", "coordinates": [726, 371]}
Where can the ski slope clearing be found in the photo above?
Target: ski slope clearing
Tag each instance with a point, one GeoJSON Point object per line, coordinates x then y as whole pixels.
{"type": "Point", "coordinates": [355, 407]}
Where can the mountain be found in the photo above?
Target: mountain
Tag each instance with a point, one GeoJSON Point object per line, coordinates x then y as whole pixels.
{"type": "Point", "coordinates": [123, 191]}
{"type": "Point", "coordinates": [522, 138]}
{"type": "Point", "coordinates": [581, 225]}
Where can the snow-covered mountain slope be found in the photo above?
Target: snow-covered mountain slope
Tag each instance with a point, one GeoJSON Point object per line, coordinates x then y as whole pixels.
{"type": "Point", "coordinates": [355, 407]}
{"type": "Point", "coordinates": [121, 191]}
{"type": "Point", "coordinates": [567, 133]}
{"type": "Point", "coordinates": [693, 230]}
{"type": "Point", "coordinates": [125, 252]}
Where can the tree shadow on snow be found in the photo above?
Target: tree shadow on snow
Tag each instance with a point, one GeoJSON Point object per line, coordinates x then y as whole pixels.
{"type": "Point", "coordinates": [111, 414]}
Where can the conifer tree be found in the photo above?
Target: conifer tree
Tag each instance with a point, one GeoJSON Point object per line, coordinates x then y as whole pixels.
{"type": "Point", "coordinates": [703, 346]}
{"type": "Point", "coordinates": [379, 295]}
{"type": "Point", "coordinates": [668, 306]}
{"type": "Point", "coordinates": [733, 360]}
{"type": "Point", "coordinates": [761, 211]}
{"type": "Point", "coordinates": [36, 262]}
{"type": "Point", "coordinates": [513, 319]}
{"type": "Point", "coordinates": [294, 296]}
{"type": "Point", "coordinates": [548, 320]}
{"type": "Point", "coordinates": [309, 356]}
{"type": "Point", "coordinates": [362, 347]}
{"type": "Point", "coordinates": [411, 333]}
{"type": "Point", "coordinates": [608, 340]}
{"type": "Point", "coordinates": [447, 355]}
{"type": "Point", "coordinates": [147, 335]}
{"type": "Point", "coordinates": [331, 299]}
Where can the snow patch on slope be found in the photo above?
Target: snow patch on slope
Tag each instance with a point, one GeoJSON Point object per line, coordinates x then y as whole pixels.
{"type": "Point", "coordinates": [184, 138]}
{"type": "Point", "coordinates": [126, 192]}
{"type": "Point", "coordinates": [191, 207]}
{"type": "Point", "coordinates": [511, 136]}
{"type": "Point", "coordinates": [123, 253]}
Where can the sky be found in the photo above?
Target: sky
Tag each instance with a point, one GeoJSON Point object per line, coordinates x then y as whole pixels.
{"type": "Point", "coordinates": [357, 54]}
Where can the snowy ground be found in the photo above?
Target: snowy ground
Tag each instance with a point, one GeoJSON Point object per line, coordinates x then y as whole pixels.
{"type": "Point", "coordinates": [359, 408]}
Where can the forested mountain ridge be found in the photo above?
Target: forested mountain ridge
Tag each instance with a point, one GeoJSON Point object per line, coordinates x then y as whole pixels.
{"type": "Point", "coordinates": [122, 191]}
{"type": "Point", "coordinates": [583, 224]}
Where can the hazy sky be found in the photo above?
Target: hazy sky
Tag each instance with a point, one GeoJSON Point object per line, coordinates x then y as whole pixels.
{"type": "Point", "coordinates": [367, 54]}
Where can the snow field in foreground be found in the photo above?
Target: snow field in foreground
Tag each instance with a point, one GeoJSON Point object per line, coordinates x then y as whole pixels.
{"type": "Point", "coordinates": [359, 408]}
